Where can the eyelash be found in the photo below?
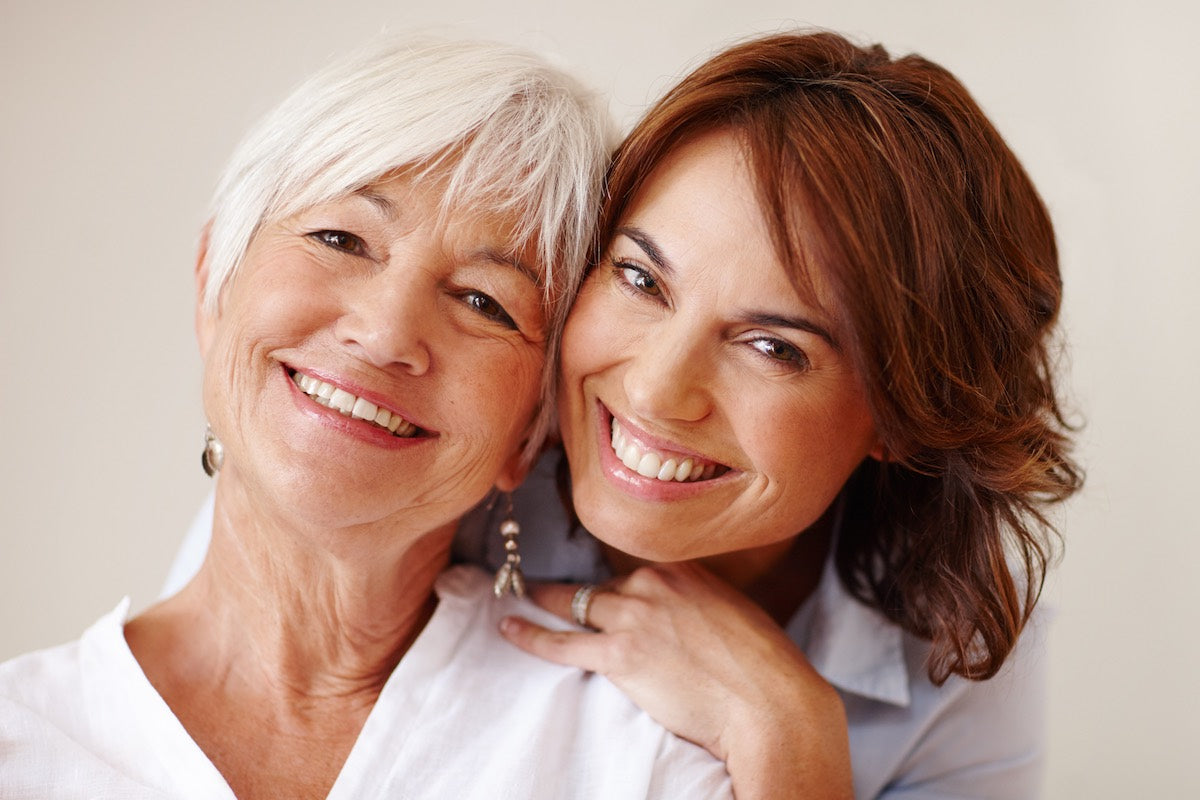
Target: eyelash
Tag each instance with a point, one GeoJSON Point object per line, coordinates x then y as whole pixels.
{"type": "Point", "coordinates": [477, 301]}
{"type": "Point", "coordinates": [349, 243]}
{"type": "Point", "coordinates": [794, 357]}
{"type": "Point", "coordinates": [622, 270]}
{"type": "Point", "coordinates": [474, 298]}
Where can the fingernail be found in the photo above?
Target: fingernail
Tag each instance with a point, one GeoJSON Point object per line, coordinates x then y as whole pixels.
{"type": "Point", "coordinates": [509, 626]}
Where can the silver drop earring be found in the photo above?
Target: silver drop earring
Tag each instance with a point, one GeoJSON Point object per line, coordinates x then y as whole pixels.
{"type": "Point", "coordinates": [509, 577]}
{"type": "Point", "coordinates": [214, 454]}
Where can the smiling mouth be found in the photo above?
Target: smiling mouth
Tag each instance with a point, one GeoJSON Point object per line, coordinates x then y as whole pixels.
{"type": "Point", "coordinates": [348, 405]}
{"type": "Point", "coordinates": [663, 466]}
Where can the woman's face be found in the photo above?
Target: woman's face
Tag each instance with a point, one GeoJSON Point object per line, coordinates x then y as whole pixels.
{"type": "Point", "coordinates": [368, 363]}
{"type": "Point", "coordinates": [706, 407]}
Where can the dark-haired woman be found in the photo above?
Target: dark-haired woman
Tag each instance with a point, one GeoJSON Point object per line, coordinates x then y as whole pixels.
{"type": "Point", "coordinates": [810, 379]}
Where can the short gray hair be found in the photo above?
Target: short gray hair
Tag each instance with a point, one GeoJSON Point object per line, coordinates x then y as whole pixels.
{"type": "Point", "coordinates": [509, 133]}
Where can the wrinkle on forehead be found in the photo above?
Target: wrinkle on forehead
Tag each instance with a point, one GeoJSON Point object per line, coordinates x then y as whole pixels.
{"type": "Point", "coordinates": [501, 245]}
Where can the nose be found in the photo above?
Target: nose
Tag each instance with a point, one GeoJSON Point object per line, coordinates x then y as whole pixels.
{"type": "Point", "coordinates": [665, 378]}
{"type": "Point", "coordinates": [390, 318]}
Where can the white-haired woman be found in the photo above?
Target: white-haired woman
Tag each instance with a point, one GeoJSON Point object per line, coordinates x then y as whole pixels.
{"type": "Point", "coordinates": [380, 291]}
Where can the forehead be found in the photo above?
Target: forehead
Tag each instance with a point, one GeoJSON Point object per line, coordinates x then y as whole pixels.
{"type": "Point", "coordinates": [700, 192]}
{"type": "Point", "coordinates": [480, 226]}
{"type": "Point", "coordinates": [705, 199]}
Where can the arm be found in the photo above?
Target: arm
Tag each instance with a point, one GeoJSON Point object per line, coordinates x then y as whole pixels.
{"type": "Point", "coordinates": [712, 667]}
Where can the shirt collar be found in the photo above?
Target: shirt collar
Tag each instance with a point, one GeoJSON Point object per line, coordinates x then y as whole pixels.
{"type": "Point", "coordinates": [851, 645]}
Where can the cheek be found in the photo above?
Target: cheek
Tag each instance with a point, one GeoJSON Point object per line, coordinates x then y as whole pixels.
{"type": "Point", "coordinates": [820, 446]}
{"type": "Point", "coordinates": [576, 344]}
{"type": "Point", "coordinates": [504, 389]}
{"type": "Point", "coordinates": [591, 338]}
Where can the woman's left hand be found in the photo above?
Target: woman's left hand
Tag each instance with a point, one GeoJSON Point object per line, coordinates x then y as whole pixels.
{"type": "Point", "coordinates": [712, 667]}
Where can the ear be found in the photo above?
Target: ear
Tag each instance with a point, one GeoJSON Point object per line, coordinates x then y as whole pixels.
{"type": "Point", "coordinates": [205, 321]}
{"type": "Point", "coordinates": [514, 470]}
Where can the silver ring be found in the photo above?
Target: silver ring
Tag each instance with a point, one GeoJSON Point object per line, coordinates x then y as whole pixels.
{"type": "Point", "coordinates": [580, 604]}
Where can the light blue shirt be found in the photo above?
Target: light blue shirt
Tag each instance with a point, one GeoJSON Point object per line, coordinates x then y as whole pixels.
{"type": "Point", "coordinates": [909, 739]}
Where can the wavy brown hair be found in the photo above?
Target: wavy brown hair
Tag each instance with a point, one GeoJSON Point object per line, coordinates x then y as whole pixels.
{"type": "Point", "coordinates": [940, 258]}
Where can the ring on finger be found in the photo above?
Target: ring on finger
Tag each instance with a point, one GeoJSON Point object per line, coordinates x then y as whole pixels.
{"type": "Point", "coordinates": [581, 602]}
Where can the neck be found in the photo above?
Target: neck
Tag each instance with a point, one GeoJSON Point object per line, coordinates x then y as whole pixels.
{"type": "Point", "coordinates": [290, 610]}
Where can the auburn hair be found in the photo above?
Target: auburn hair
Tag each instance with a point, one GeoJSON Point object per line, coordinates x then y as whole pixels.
{"type": "Point", "coordinates": [940, 261]}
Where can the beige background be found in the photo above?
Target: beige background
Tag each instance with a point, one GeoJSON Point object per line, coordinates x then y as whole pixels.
{"type": "Point", "coordinates": [118, 115]}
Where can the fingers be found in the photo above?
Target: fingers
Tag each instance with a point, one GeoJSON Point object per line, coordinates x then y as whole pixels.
{"type": "Point", "coordinates": [554, 597]}
{"type": "Point", "coordinates": [571, 648]}
{"type": "Point", "coordinates": [573, 602]}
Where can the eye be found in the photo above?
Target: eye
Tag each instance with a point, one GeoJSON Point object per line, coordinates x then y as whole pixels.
{"type": "Point", "coordinates": [488, 308]}
{"type": "Point", "coordinates": [341, 240]}
{"type": "Point", "coordinates": [780, 351]}
{"type": "Point", "coordinates": [638, 278]}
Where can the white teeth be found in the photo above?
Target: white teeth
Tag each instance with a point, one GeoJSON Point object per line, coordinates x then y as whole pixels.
{"type": "Point", "coordinates": [667, 473]}
{"type": "Point", "coordinates": [684, 470]}
{"type": "Point", "coordinates": [632, 457]}
{"type": "Point", "coordinates": [650, 464]}
{"type": "Point", "coordinates": [340, 400]}
{"type": "Point", "coordinates": [364, 409]}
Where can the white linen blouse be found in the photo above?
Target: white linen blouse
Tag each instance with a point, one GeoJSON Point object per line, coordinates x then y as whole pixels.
{"type": "Point", "coordinates": [464, 715]}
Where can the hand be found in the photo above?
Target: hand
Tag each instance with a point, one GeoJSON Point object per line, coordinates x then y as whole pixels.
{"type": "Point", "coordinates": [712, 667]}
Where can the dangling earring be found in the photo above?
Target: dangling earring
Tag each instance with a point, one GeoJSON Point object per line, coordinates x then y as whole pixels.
{"type": "Point", "coordinates": [214, 454]}
{"type": "Point", "coordinates": [509, 577]}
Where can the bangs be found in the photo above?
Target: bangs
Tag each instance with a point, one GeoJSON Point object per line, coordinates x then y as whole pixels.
{"type": "Point", "coordinates": [831, 195]}
{"type": "Point", "coordinates": [510, 137]}
{"type": "Point", "coordinates": [791, 187]}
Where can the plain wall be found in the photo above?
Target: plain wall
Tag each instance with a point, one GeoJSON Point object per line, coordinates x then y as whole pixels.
{"type": "Point", "coordinates": [118, 115]}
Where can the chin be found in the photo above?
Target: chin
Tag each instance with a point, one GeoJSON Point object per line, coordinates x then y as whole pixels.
{"type": "Point", "coordinates": [634, 539]}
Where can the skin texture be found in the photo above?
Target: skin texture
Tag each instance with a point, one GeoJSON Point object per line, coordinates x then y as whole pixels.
{"type": "Point", "coordinates": [328, 533]}
{"type": "Point", "coordinates": [689, 355]}
{"type": "Point", "coordinates": [679, 334]}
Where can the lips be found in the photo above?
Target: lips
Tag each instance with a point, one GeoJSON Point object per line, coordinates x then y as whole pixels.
{"type": "Point", "coordinates": [349, 405]}
{"type": "Point", "coordinates": [661, 465]}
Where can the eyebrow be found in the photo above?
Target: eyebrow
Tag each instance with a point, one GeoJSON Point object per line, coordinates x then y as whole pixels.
{"type": "Point", "coordinates": [796, 323]}
{"type": "Point", "coordinates": [646, 242]}
{"type": "Point", "coordinates": [497, 256]}
{"type": "Point", "coordinates": [381, 203]}
{"type": "Point", "coordinates": [653, 252]}
{"type": "Point", "coordinates": [493, 255]}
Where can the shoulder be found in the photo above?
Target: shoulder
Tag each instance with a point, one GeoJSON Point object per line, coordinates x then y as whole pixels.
{"type": "Point", "coordinates": [51, 682]}
{"type": "Point", "coordinates": [933, 741]}
{"type": "Point", "coordinates": [906, 732]}
{"type": "Point", "coordinates": [1010, 706]}
{"type": "Point", "coordinates": [48, 720]}
{"type": "Point", "coordinates": [44, 681]}
{"type": "Point", "coordinates": [39, 699]}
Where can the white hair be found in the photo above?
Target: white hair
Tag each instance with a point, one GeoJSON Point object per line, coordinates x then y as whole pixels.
{"type": "Point", "coordinates": [509, 133]}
